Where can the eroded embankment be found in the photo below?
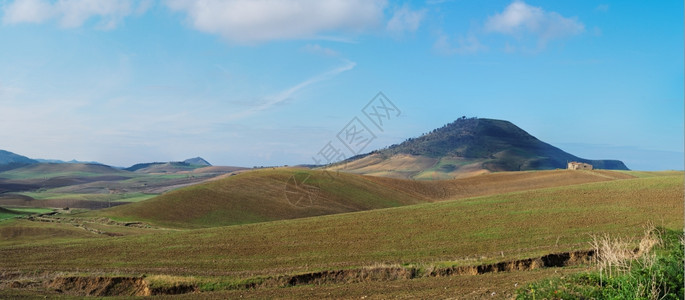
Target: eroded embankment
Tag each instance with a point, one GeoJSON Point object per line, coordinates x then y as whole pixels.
{"type": "Point", "coordinates": [395, 272]}
{"type": "Point", "coordinates": [99, 286]}
{"type": "Point", "coordinates": [140, 286]}
{"type": "Point", "coordinates": [548, 261]}
{"type": "Point", "coordinates": [115, 286]}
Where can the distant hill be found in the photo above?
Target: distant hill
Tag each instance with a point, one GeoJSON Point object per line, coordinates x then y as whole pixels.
{"type": "Point", "coordinates": [197, 161]}
{"type": "Point", "coordinates": [467, 146]}
{"type": "Point", "coordinates": [9, 160]}
{"type": "Point", "coordinates": [73, 161]}
{"type": "Point", "coordinates": [63, 170]}
{"type": "Point", "coordinates": [162, 167]}
{"type": "Point", "coordinates": [170, 167]}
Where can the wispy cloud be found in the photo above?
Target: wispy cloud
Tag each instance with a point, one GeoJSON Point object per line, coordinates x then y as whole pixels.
{"type": "Point", "coordinates": [319, 50]}
{"type": "Point", "coordinates": [288, 93]}
{"type": "Point", "coordinates": [463, 45]}
{"type": "Point", "coordinates": [435, 2]}
{"type": "Point", "coordinates": [255, 21]}
{"type": "Point", "coordinates": [405, 20]}
{"type": "Point", "coordinates": [602, 8]}
{"type": "Point", "coordinates": [73, 13]}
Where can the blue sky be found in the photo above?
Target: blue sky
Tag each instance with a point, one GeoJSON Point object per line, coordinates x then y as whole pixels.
{"type": "Point", "coordinates": [268, 82]}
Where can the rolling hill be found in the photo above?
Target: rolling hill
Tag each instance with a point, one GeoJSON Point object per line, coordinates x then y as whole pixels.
{"type": "Point", "coordinates": [288, 193]}
{"type": "Point", "coordinates": [466, 147]}
{"type": "Point", "coordinates": [263, 195]}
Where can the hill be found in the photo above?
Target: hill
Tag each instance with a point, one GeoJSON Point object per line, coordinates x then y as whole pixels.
{"type": "Point", "coordinates": [73, 161]}
{"type": "Point", "coordinates": [467, 147]}
{"type": "Point", "coordinates": [263, 195]}
{"type": "Point", "coordinates": [197, 161]}
{"type": "Point", "coordinates": [170, 167]}
{"type": "Point", "coordinates": [284, 193]}
{"type": "Point", "coordinates": [9, 160]}
{"type": "Point", "coordinates": [59, 170]}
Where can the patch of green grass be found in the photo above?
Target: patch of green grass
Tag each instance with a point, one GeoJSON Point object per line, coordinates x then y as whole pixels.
{"type": "Point", "coordinates": [6, 213]}
{"type": "Point", "coordinates": [125, 197]}
{"type": "Point", "coordinates": [31, 210]}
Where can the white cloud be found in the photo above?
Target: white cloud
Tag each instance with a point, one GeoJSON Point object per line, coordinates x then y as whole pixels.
{"type": "Point", "coordinates": [519, 19]}
{"type": "Point", "coordinates": [27, 11]}
{"type": "Point", "coordinates": [405, 20]}
{"type": "Point", "coordinates": [254, 21]}
{"type": "Point", "coordinates": [464, 45]}
{"type": "Point", "coordinates": [73, 13]}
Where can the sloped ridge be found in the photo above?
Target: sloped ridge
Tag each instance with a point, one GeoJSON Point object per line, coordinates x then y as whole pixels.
{"type": "Point", "coordinates": [264, 195]}
{"type": "Point", "coordinates": [9, 160]}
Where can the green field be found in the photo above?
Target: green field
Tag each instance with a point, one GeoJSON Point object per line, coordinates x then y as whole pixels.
{"type": "Point", "coordinates": [412, 226]}
{"type": "Point", "coordinates": [468, 231]}
{"type": "Point", "coordinates": [6, 213]}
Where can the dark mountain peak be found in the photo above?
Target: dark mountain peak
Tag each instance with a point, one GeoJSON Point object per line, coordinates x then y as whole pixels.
{"type": "Point", "coordinates": [466, 137]}
{"type": "Point", "coordinates": [197, 161]}
{"type": "Point", "coordinates": [501, 145]}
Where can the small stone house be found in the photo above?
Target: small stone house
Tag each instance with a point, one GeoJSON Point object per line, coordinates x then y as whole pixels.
{"type": "Point", "coordinates": [574, 165]}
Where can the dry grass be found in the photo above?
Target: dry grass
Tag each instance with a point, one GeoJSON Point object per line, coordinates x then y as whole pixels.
{"type": "Point", "coordinates": [401, 166]}
{"type": "Point", "coordinates": [615, 255]}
